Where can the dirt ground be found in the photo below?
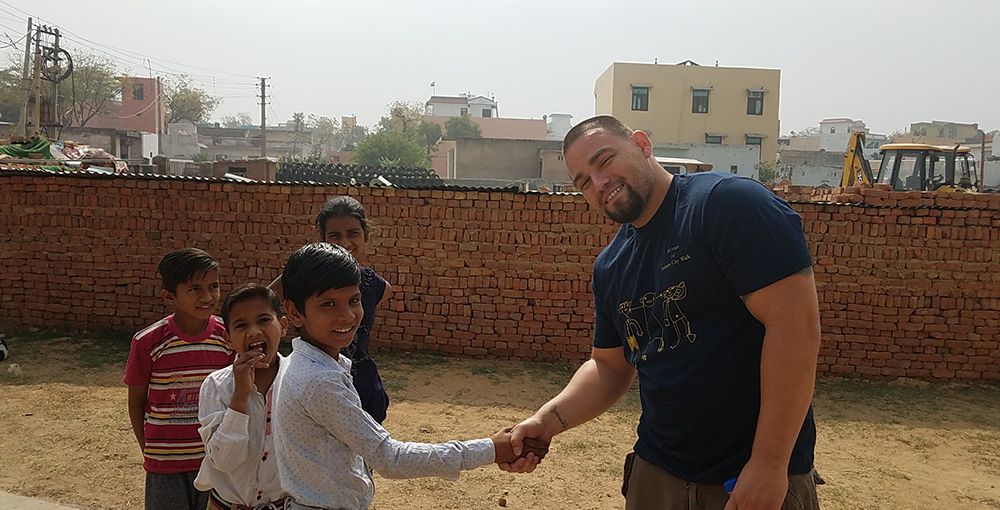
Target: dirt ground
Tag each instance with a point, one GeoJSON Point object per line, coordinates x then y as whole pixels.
{"type": "Point", "coordinates": [901, 445]}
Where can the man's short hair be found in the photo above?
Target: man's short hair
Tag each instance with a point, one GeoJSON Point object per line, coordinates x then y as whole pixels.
{"type": "Point", "coordinates": [246, 292]}
{"type": "Point", "coordinates": [600, 122]}
{"type": "Point", "coordinates": [184, 265]}
{"type": "Point", "coordinates": [316, 268]}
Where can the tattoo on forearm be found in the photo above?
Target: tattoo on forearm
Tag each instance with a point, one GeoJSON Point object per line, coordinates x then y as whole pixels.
{"type": "Point", "coordinates": [563, 423]}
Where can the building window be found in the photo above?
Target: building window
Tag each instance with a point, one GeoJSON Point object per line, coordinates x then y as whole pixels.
{"type": "Point", "coordinates": [487, 113]}
{"type": "Point", "coordinates": [733, 169]}
{"type": "Point", "coordinates": [699, 101]}
{"type": "Point", "coordinates": [833, 130]}
{"type": "Point", "coordinates": [952, 132]}
{"type": "Point", "coordinates": [640, 99]}
{"type": "Point", "coordinates": [941, 132]}
{"type": "Point", "coordinates": [138, 92]}
{"type": "Point", "coordinates": [713, 139]}
{"type": "Point", "coordinates": [463, 111]}
{"type": "Point", "coordinates": [755, 140]}
{"type": "Point", "coordinates": [755, 102]}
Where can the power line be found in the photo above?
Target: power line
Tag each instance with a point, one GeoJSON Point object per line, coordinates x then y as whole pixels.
{"type": "Point", "coordinates": [131, 54]}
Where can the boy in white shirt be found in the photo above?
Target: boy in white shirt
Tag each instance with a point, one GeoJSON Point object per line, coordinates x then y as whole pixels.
{"type": "Point", "coordinates": [323, 438]}
{"type": "Point", "coordinates": [235, 406]}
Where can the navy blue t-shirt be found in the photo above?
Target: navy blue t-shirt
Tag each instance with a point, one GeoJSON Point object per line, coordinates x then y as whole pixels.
{"type": "Point", "coordinates": [669, 293]}
{"type": "Point", "coordinates": [364, 371]}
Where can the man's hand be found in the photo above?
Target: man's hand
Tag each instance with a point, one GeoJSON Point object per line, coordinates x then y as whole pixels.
{"type": "Point", "coordinates": [535, 429]}
{"type": "Point", "coordinates": [505, 454]}
{"type": "Point", "coordinates": [760, 486]}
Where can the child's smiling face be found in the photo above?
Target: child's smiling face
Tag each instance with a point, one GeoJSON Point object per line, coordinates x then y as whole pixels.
{"type": "Point", "coordinates": [254, 325]}
{"type": "Point", "coordinates": [330, 319]}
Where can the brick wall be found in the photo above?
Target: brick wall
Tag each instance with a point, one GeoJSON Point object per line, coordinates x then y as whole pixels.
{"type": "Point", "coordinates": [906, 288]}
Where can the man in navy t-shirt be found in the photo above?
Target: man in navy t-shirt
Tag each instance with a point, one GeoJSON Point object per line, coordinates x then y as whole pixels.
{"type": "Point", "coordinates": [707, 293]}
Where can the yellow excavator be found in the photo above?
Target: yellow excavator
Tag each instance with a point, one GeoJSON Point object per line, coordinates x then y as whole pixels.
{"type": "Point", "coordinates": [911, 166]}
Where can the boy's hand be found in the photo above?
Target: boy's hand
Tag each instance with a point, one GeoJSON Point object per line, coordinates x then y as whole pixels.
{"type": "Point", "coordinates": [534, 449]}
{"type": "Point", "coordinates": [243, 372]}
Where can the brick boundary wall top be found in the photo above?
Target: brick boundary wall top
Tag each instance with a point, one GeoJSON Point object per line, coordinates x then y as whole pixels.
{"type": "Point", "coordinates": [909, 283]}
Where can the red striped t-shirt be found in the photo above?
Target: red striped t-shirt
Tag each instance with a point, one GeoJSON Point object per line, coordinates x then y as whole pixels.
{"type": "Point", "coordinates": [174, 364]}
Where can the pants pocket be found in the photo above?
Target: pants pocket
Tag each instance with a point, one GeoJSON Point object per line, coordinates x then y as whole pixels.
{"type": "Point", "coordinates": [629, 460]}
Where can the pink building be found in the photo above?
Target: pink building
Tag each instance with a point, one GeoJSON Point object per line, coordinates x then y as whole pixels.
{"type": "Point", "coordinates": [139, 109]}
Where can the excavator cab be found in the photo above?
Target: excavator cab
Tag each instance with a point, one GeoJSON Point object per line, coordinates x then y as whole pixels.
{"type": "Point", "coordinates": [915, 166]}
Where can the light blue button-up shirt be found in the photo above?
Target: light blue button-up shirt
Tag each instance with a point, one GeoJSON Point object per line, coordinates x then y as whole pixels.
{"type": "Point", "coordinates": [323, 438]}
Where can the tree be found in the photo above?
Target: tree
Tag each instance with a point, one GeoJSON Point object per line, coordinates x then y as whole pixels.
{"type": "Point", "coordinates": [11, 94]}
{"type": "Point", "coordinates": [92, 89]}
{"type": "Point", "coordinates": [325, 132]}
{"type": "Point", "coordinates": [462, 127]}
{"type": "Point", "coordinates": [239, 120]}
{"type": "Point", "coordinates": [404, 117]}
{"type": "Point", "coordinates": [185, 101]}
{"type": "Point", "coordinates": [390, 148]}
{"type": "Point", "coordinates": [767, 172]}
{"type": "Point", "coordinates": [430, 135]}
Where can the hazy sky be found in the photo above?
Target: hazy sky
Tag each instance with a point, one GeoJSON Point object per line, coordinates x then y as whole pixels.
{"type": "Point", "coordinates": [887, 62]}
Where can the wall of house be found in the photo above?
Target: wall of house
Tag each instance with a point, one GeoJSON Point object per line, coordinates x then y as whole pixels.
{"type": "Point", "coordinates": [670, 119]}
{"type": "Point", "coordinates": [909, 283]}
{"type": "Point", "coordinates": [483, 158]}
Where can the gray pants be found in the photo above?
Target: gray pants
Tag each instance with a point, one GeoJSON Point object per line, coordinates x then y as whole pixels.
{"type": "Point", "coordinates": [647, 487]}
{"type": "Point", "coordinates": [174, 491]}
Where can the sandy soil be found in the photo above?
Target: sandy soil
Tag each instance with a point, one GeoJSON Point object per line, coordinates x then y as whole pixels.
{"type": "Point", "coordinates": [881, 445]}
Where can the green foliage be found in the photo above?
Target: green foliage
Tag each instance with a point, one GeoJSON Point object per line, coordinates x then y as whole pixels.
{"type": "Point", "coordinates": [767, 172]}
{"type": "Point", "coordinates": [185, 101]}
{"type": "Point", "coordinates": [11, 94]}
{"type": "Point", "coordinates": [390, 148]}
{"type": "Point", "coordinates": [462, 127]}
{"type": "Point", "coordinates": [430, 135]}
{"type": "Point", "coordinates": [403, 117]}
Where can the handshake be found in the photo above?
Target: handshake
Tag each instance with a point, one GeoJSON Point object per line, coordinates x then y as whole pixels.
{"type": "Point", "coordinates": [505, 451]}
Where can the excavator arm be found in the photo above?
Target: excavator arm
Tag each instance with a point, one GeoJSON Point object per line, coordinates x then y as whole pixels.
{"type": "Point", "coordinates": [857, 170]}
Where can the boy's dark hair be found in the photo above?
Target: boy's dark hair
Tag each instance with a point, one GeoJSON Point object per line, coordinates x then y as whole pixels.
{"type": "Point", "coordinates": [316, 268]}
{"type": "Point", "coordinates": [341, 206]}
{"type": "Point", "coordinates": [184, 265]}
{"type": "Point", "coordinates": [246, 292]}
{"type": "Point", "coordinates": [600, 122]}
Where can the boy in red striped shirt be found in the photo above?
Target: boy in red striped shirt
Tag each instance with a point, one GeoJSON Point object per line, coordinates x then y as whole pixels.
{"type": "Point", "coordinates": [166, 365]}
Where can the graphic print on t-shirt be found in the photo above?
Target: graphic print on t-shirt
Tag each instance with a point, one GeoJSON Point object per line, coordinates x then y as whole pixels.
{"type": "Point", "coordinates": [657, 310]}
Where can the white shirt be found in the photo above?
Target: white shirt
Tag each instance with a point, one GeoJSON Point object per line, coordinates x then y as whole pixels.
{"type": "Point", "coordinates": [239, 449]}
{"type": "Point", "coordinates": [323, 438]}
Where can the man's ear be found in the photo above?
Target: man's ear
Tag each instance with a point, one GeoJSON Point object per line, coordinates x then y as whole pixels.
{"type": "Point", "coordinates": [168, 297]}
{"type": "Point", "coordinates": [293, 316]}
{"type": "Point", "coordinates": [641, 140]}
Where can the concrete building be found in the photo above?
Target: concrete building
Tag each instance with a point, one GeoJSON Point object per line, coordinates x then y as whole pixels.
{"type": "Point", "coordinates": [503, 128]}
{"type": "Point", "coordinates": [557, 125]}
{"type": "Point", "coordinates": [835, 133]}
{"type": "Point", "coordinates": [947, 130]}
{"type": "Point", "coordinates": [735, 159]}
{"type": "Point", "coordinates": [692, 104]}
{"type": "Point", "coordinates": [218, 143]}
{"type": "Point", "coordinates": [500, 161]}
{"type": "Point", "coordinates": [139, 109]}
{"type": "Point", "coordinates": [122, 144]}
{"type": "Point", "coordinates": [462, 104]}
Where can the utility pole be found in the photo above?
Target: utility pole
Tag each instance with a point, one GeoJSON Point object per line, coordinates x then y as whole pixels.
{"type": "Point", "coordinates": [22, 128]}
{"type": "Point", "coordinates": [159, 116]}
{"type": "Point", "coordinates": [263, 117]}
{"type": "Point", "coordinates": [37, 113]}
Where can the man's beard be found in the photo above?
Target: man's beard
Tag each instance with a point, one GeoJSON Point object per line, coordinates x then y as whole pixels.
{"type": "Point", "coordinates": [630, 209]}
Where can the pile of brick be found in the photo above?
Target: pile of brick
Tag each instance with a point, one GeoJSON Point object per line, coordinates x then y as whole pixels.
{"type": "Point", "coordinates": [909, 285]}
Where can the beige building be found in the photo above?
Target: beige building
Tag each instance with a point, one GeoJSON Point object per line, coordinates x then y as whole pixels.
{"type": "Point", "coordinates": [688, 103]}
